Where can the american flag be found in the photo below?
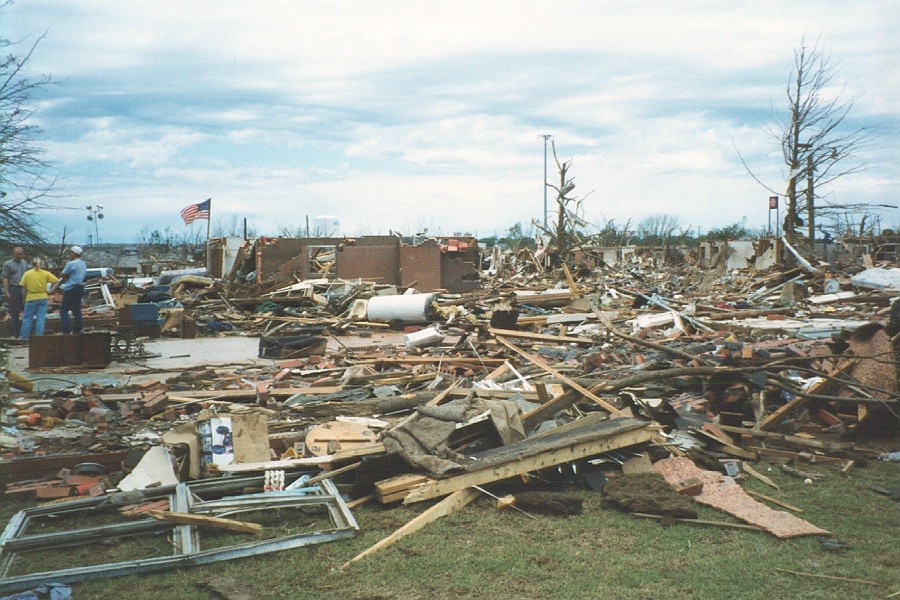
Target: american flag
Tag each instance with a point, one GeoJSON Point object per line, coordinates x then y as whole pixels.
{"type": "Point", "coordinates": [196, 211]}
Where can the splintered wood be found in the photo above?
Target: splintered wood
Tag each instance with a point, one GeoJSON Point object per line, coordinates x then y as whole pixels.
{"type": "Point", "coordinates": [723, 493]}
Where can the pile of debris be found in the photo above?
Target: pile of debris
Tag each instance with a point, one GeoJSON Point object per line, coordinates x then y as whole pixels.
{"type": "Point", "coordinates": [658, 387]}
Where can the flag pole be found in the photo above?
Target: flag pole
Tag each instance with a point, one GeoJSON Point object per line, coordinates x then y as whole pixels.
{"type": "Point", "coordinates": [208, 224]}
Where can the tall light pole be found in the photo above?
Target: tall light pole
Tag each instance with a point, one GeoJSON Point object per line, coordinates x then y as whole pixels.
{"type": "Point", "coordinates": [546, 137]}
{"type": "Point", "coordinates": [95, 215]}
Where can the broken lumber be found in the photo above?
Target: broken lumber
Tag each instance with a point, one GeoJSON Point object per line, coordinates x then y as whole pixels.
{"type": "Point", "coordinates": [540, 452]}
{"type": "Point", "coordinates": [445, 507]}
{"type": "Point", "coordinates": [206, 521]}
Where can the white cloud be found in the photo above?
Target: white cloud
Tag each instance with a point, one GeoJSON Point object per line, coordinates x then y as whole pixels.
{"type": "Point", "coordinates": [395, 113]}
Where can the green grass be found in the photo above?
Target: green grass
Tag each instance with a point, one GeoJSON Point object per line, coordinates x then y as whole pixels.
{"type": "Point", "coordinates": [484, 553]}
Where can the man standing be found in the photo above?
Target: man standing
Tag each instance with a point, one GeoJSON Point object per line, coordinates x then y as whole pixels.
{"type": "Point", "coordinates": [73, 276]}
{"type": "Point", "coordinates": [34, 284]}
{"type": "Point", "coordinates": [13, 269]}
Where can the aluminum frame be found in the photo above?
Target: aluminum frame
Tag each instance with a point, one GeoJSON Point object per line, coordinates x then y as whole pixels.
{"type": "Point", "coordinates": [187, 542]}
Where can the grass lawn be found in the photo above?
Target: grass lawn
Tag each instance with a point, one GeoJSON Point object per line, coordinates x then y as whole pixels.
{"type": "Point", "coordinates": [484, 553]}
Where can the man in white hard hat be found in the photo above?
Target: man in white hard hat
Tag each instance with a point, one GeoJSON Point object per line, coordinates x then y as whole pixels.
{"type": "Point", "coordinates": [73, 277]}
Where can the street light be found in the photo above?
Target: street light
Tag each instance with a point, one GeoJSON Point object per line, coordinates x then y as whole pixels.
{"type": "Point", "coordinates": [546, 137]}
{"type": "Point", "coordinates": [95, 215]}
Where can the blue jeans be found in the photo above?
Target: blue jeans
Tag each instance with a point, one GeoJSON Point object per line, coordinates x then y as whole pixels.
{"type": "Point", "coordinates": [35, 311]}
{"type": "Point", "coordinates": [71, 301]}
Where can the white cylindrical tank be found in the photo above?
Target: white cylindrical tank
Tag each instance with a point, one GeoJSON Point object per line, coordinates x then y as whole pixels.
{"type": "Point", "coordinates": [407, 307]}
{"type": "Point", "coordinates": [326, 226]}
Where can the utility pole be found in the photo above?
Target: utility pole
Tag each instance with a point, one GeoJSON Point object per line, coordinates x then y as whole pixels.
{"type": "Point", "coordinates": [810, 201]}
{"type": "Point", "coordinates": [546, 137]}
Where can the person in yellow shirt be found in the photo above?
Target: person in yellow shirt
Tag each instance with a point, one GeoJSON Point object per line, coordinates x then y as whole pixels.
{"type": "Point", "coordinates": [34, 288]}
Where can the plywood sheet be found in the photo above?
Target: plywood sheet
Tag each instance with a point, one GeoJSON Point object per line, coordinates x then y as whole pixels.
{"type": "Point", "coordinates": [723, 493]}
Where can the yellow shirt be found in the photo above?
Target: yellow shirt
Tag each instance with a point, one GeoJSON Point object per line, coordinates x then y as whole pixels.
{"type": "Point", "coordinates": [35, 281]}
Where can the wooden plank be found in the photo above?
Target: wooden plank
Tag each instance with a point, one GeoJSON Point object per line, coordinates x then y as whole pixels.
{"type": "Point", "coordinates": [358, 452]}
{"type": "Point", "coordinates": [723, 445]}
{"type": "Point", "coordinates": [502, 394]}
{"type": "Point", "coordinates": [788, 439]}
{"type": "Point", "coordinates": [428, 360]}
{"type": "Point", "coordinates": [399, 483]}
{"type": "Point", "coordinates": [354, 503]}
{"type": "Point", "coordinates": [311, 461]}
{"type": "Point", "coordinates": [775, 416]}
{"type": "Point", "coordinates": [697, 521]}
{"type": "Point", "coordinates": [331, 473]}
{"type": "Point", "coordinates": [251, 392]}
{"type": "Point", "coordinates": [571, 281]}
{"type": "Point", "coordinates": [789, 455]}
{"type": "Point", "coordinates": [753, 472]}
{"type": "Point", "coordinates": [541, 389]}
{"type": "Point", "coordinates": [774, 501]}
{"type": "Point", "coordinates": [444, 508]}
{"type": "Point", "coordinates": [541, 337]}
{"type": "Point", "coordinates": [833, 577]}
{"type": "Point", "coordinates": [206, 521]}
{"type": "Point", "coordinates": [550, 458]}
{"type": "Point", "coordinates": [570, 382]}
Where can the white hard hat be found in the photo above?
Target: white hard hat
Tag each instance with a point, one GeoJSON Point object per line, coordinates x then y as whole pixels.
{"type": "Point", "coordinates": [76, 250]}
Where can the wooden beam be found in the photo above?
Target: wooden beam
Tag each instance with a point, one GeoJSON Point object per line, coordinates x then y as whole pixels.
{"type": "Point", "coordinates": [774, 501]}
{"type": "Point", "coordinates": [753, 472]}
{"type": "Point", "coordinates": [789, 455]}
{"type": "Point", "coordinates": [570, 382]}
{"type": "Point", "coordinates": [251, 392]}
{"type": "Point", "coordinates": [428, 360]}
{"type": "Point", "coordinates": [832, 577]}
{"type": "Point", "coordinates": [358, 452]}
{"type": "Point", "coordinates": [206, 521]}
{"type": "Point", "coordinates": [541, 337]}
{"type": "Point", "coordinates": [329, 474]}
{"type": "Point", "coordinates": [549, 408]}
{"type": "Point", "coordinates": [775, 416]}
{"type": "Point", "coordinates": [788, 439]}
{"type": "Point", "coordinates": [698, 521]}
{"type": "Point", "coordinates": [550, 458]}
{"type": "Point", "coordinates": [292, 463]}
{"type": "Point", "coordinates": [571, 281]}
{"type": "Point", "coordinates": [444, 508]}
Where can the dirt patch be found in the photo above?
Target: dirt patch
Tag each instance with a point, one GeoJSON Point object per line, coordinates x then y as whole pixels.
{"type": "Point", "coordinates": [549, 503]}
{"type": "Point", "coordinates": [647, 493]}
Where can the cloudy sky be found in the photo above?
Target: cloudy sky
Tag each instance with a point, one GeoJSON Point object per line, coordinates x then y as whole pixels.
{"type": "Point", "coordinates": [401, 115]}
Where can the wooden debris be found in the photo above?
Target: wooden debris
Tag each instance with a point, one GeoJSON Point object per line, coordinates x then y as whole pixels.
{"type": "Point", "coordinates": [445, 507]}
{"type": "Point", "coordinates": [206, 521]}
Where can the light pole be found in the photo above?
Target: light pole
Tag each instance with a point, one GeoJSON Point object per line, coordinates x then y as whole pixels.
{"type": "Point", "coordinates": [95, 215]}
{"type": "Point", "coordinates": [546, 137]}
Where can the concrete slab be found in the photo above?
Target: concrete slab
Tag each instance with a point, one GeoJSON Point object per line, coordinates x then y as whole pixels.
{"type": "Point", "coordinates": [176, 354]}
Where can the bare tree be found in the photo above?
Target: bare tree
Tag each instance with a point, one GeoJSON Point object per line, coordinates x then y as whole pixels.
{"type": "Point", "coordinates": [656, 229]}
{"type": "Point", "coordinates": [816, 144]}
{"type": "Point", "coordinates": [233, 227]}
{"type": "Point", "coordinates": [25, 179]}
{"type": "Point", "coordinates": [665, 231]}
{"type": "Point", "coordinates": [567, 235]}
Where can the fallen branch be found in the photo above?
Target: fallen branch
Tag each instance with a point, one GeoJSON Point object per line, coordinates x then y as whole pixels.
{"type": "Point", "coordinates": [835, 577]}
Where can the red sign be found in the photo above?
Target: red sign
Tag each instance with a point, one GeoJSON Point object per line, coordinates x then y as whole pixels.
{"type": "Point", "coordinates": [773, 202]}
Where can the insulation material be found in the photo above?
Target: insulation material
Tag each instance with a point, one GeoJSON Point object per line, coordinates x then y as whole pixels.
{"type": "Point", "coordinates": [723, 493]}
{"type": "Point", "coordinates": [153, 470]}
{"type": "Point", "coordinates": [875, 368]}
